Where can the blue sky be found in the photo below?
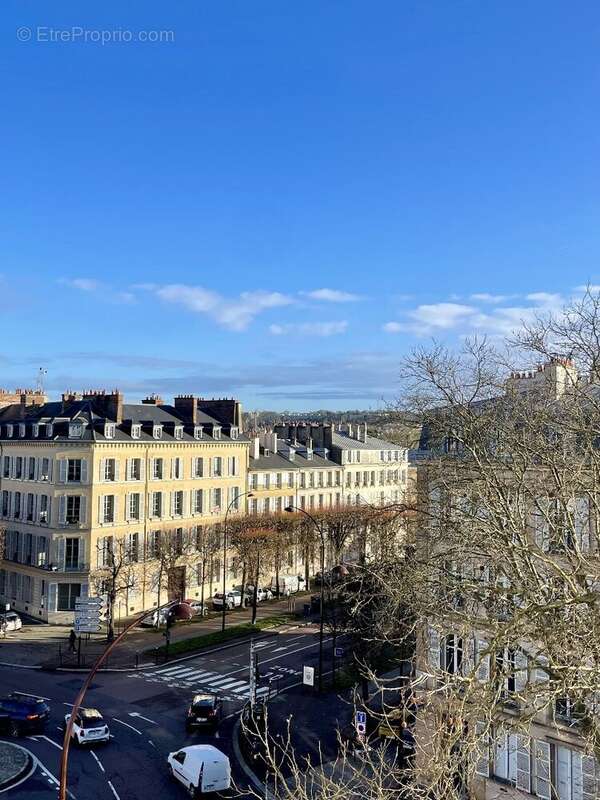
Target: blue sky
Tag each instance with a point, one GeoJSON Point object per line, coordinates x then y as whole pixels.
{"type": "Point", "coordinates": [278, 200]}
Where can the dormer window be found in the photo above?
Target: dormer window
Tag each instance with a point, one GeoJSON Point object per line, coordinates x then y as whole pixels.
{"type": "Point", "coordinates": [216, 433]}
{"type": "Point", "coordinates": [49, 430]}
{"type": "Point", "coordinates": [9, 431]}
{"type": "Point", "coordinates": [22, 430]}
{"type": "Point", "coordinates": [75, 430]}
{"type": "Point", "coordinates": [136, 431]}
{"type": "Point", "coordinates": [35, 430]}
{"type": "Point", "coordinates": [198, 431]}
{"type": "Point", "coordinates": [179, 431]}
{"type": "Point", "coordinates": [109, 430]}
{"type": "Point", "coordinates": [233, 433]}
{"type": "Point", "coordinates": [157, 431]}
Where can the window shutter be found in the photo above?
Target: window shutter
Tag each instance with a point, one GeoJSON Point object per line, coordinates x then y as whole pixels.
{"type": "Point", "coordinates": [82, 558]}
{"type": "Point", "coordinates": [127, 469]}
{"type": "Point", "coordinates": [62, 470]}
{"type": "Point", "coordinates": [84, 590]}
{"type": "Point", "coordinates": [142, 510]}
{"type": "Point", "coordinates": [541, 676]}
{"type": "Point", "coordinates": [563, 772]}
{"type": "Point", "coordinates": [51, 597]}
{"type": "Point", "coordinates": [49, 509]}
{"type": "Point", "coordinates": [116, 507]}
{"type": "Point", "coordinates": [142, 469]}
{"type": "Point", "coordinates": [542, 769]}
{"type": "Point", "coordinates": [541, 526]}
{"type": "Point", "coordinates": [434, 647]}
{"type": "Point", "coordinates": [127, 507]}
{"type": "Point", "coordinates": [523, 764]}
{"type": "Point", "coordinates": [61, 553]}
{"type": "Point", "coordinates": [184, 499]}
{"type": "Point", "coordinates": [579, 508]}
{"type": "Point", "coordinates": [21, 547]}
{"type": "Point", "coordinates": [482, 766]}
{"type": "Point", "coordinates": [101, 509]}
{"type": "Point", "coordinates": [83, 510]}
{"type": "Point", "coordinates": [117, 469]}
{"type": "Point", "coordinates": [84, 470]}
{"type": "Point", "coordinates": [520, 671]}
{"type": "Point", "coordinates": [483, 661]}
{"type": "Point", "coordinates": [589, 780]}
{"type": "Point", "coordinates": [172, 504]}
{"type": "Point", "coordinates": [102, 466]}
{"type": "Point", "coordinates": [50, 470]}
{"type": "Point", "coordinates": [62, 509]}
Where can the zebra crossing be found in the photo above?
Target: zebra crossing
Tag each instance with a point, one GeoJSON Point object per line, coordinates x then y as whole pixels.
{"type": "Point", "coordinates": [197, 680]}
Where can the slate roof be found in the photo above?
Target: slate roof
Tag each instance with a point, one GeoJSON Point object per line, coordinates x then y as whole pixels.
{"type": "Point", "coordinates": [344, 442]}
{"type": "Point", "coordinates": [277, 461]}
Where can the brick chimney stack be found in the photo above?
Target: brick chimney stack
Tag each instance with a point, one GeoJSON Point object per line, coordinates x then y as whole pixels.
{"type": "Point", "coordinates": [186, 406]}
{"type": "Point", "coordinates": [109, 405]}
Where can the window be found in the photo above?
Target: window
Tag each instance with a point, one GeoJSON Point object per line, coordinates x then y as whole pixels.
{"type": "Point", "coordinates": [198, 468]}
{"type": "Point", "coordinates": [134, 506]}
{"type": "Point", "coordinates": [71, 553]}
{"type": "Point", "coordinates": [217, 467]}
{"type": "Point", "coordinates": [233, 433]}
{"type": "Point", "coordinates": [31, 469]}
{"type": "Point", "coordinates": [157, 431]}
{"type": "Point", "coordinates": [43, 511]}
{"type": "Point", "coordinates": [6, 467]}
{"type": "Point", "coordinates": [254, 480]}
{"type": "Point", "coordinates": [18, 467]}
{"type": "Point", "coordinates": [290, 479]}
{"type": "Point", "coordinates": [9, 431]}
{"type": "Point", "coordinates": [75, 430]}
{"type": "Point", "coordinates": [232, 469]}
{"type": "Point", "coordinates": [177, 504]}
{"type": "Point", "coordinates": [22, 430]}
{"type": "Point", "coordinates": [154, 544]}
{"type": "Point", "coordinates": [279, 480]}
{"type": "Point", "coordinates": [35, 430]}
{"type": "Point", "coordinates": [67, 594]}
{"type": "Point", "coordinates": [179, 431]}
{"type": "Point", "coordinates": [110, 469]}
{"type": "Point", "coordinates": [73, 514]}
{"type": "Point", "coordinates": [74, 470]}
{"type": "Point", "coordinates": [156, 504]}
{"type": "Point", "coordinates": [5, 503]}
{"type": "Point", "coordinates": [267, 480]}
{"type": "Point", "coordinates": [108, 508]}
{"type": "Point", "coordinates": [254, 506]}
{"type": "Point", "coordinates": [49, 430]}
{"type": "Point", "coordinates": [216, 500]}
{"type": "Point", "coordinates": [136, 431]}
{"type": "Point", "coordinates": [216, 432]}
{"type": "Point", "coordinates": [132, 542]}
{"type": "Point", "coordinates": [109, 430]}
{"type": "Point", "coordinates": [45, 470]}
{"type": "Point", "coordinates": [176, 469]}
{"type": "Point", "coordinates": [505, 757]}
{"type": "Point", "coordinates": [17, 508]}
{"type": "Point", "coordinates": [198, 432]}
{"type": "Point", "coordinates": [198, 501]}
{"type": "Point", "coordinates": [157, 469]}
{"type": "Point", "coordinates": [134, 468]}
{"type": "Point", "coordinates": [452, 654]}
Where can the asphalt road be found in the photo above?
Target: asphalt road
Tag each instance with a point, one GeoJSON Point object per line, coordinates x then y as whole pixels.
{"type": "Point", "coordinates": [146, 713]}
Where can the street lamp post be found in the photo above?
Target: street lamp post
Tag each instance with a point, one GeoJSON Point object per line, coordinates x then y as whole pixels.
{"type": "Point", "coordinates": [290, 510]}
{"type": "Point", "coordinates": [229, 507]}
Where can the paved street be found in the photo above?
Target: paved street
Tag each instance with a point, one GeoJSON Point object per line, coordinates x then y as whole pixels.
{"type": "Point", "coordinates": [146, 714]}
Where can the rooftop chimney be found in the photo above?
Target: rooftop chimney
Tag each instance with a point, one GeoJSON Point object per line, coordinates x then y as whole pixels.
{"type": "Point", "coordinates": [107, 405]}
{"type": "Point", "coordinates": [186, 406]}
{"type": "Point", "coordinates": [153, 400]}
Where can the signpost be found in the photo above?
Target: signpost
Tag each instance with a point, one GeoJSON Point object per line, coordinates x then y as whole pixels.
{"type": "Point", "coordinates": [360, 723]}
{"type": "Point", "coordinates": [88, 611]}
{"type": "Point", "coordinates": [308, 676]}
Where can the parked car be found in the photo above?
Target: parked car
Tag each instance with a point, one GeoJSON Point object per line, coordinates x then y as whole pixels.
{"type": "Point", "coordinates": [233, 599]}
{"type": "Point", "coordinates": [12, 621]}
{"type": "Point", "coordinates": [201, 768]}
{"type": "Point", "coordinates": [89, 727]}
{"type": "Point", "coordinates": [23, 713]}
{"type": "Point", "coordinates": [200, 609]}
{"type": "Point", "coordinates": [288, 584]}
{"type": "Point", "coordinates": [205, 710]}
{"type": "Point", "coordinates": [159, 617]}
{"type": "Point", "coordinates": [261, 593]}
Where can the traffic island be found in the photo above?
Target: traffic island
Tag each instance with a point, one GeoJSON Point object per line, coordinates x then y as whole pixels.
{"type": "Point", "coordinates": [15, 762]}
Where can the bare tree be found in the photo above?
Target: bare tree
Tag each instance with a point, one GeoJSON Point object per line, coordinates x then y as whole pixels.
{"type": "Point", "coordinates": [115, 575]}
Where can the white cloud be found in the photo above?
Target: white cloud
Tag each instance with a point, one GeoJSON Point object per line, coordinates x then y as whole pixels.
{"type": "Point", "coordinates": [594, 288]}
{"type": "Point", "coordinates": [332, 296]}
{"type": "Point", "coordinates": [83, 284]}
{"type": "Point", "coordinates": [486, 297]}
{"type": "Point", "coordinates": [309, 329]}
{"type": "Point", "coordinates": [234, 313]}
{"type": "Point", "coordinates": [546, 299]}
{"type": "Point", "coordinates": [393, 327]}
{"type": "Point", "coordinates": [426, 319]}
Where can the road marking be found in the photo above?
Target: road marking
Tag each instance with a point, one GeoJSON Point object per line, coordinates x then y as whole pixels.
{"type": "Point", "coordinates": [197, 675]}
{"type": "Point", "coordinates": [97, 760]}
{"type": "Point", "coordinates": [68, 704]}
{"type": "Point", "coordinates": [239, 684]}
{"type": "Point", "coordinates": [136, 714]}
{"type": "Point", "coordinates": [114, 791]}
{"type": "Point", "coordinates": [279, 649]}
{"type": "Point", "coordinates": [228, 683]}
{"type": "Point", "coordinates": [179, 671]}
{"type": "Point", "coordinates": [47, 738]}
{"type": "Point", "coordinates": [127, 725]}
{"type": "Point", "coordinates": [242, 689]}
{"type": "Point", "coordinates": [220, 681]}
{"type": "Point", "coordinates": [151, 742]}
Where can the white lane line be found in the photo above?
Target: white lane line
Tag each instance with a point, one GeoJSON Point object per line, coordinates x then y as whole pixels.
{"type": "Point", "coordinates": [197, 676]}
{"type": "Point", "coordinates": [127, 725]}
{"type": "Point", "coordinates": [279, 649]}
{"type": "Point", "coordinates": [239, 684]}
{"type": "Point", "coordinates": [139, 716]}
{"type": "Point", "coordinates": [178, 671]}
{"type": "Point", "coordinates": [114, 791]}
{"type": "Point", "coordinates": [229, 684]}
{"type": "Point", "coordinates": [68, 704]}
{"type": "Point", "coordinates": [219, 682]}
{"type": "Point", "coordinates": [47, 738]}
{"type": "Point", "coordinates": [151, 742]}
{"type": "Point", "coordinates": [241, 689]}
{"type": "Point", "coordinates": [97, 760]}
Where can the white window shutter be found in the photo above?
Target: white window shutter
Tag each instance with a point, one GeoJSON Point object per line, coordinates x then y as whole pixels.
{"type": "Point", "coordinates": [102, 468]}
{"type": "Point", "coordinates": [101, 509]}
{"type": "Point", "coordinates": [142, 469]}
{"type": "Point", "coordinates": [433, 640]}
{"type": "Point", "coordinates": [62, 509]}
{"type": "Point", "coordinates": [523, 764]}
{"type": "Point", "coordinates": [82, 557]}
{"type": "Point", "coordinates": [542, 769]}
{"type": "Point", "coordinates": [127, 469]}
{"type": "Point", "coordinates": [184, 502]}
{"type": "Point", "coordinates": [541, 676]}
{"type": "Point", "coordinates": [563, 772]}
{"type": "Point", "coordinates": [61, 553]}
{"type": "Point", "coordinates": [127, 507]}
{"type": "Point", "coordinates": [541, 524]}
{"type": "Point", "coordinates": [49, 510]}
{"type": "Point", "coordinates": [83, 510]}
{"type": "Point", "coordinates": [117, 469]}
{"type": "Point", "coordinates": [84, 470]}
{"type": "Point", "coordinates": [62, 470]}
{"type": "Point", "coordinates": [589, 771]}
{"type": "Point", "coordinates": [116, 507]}
{"type": "Point", "coordinates": [482, 766]}
{"type": "Point", "coordinates": [51, 604]}
{"type": "Point", "coordinates": [483, 661]}
{"type": "Point", "coordinates": [142, 510]}
{"type": "Point", "coordinates": [85, 590]}
{"type": "Point", "coordinates": [172, 504]}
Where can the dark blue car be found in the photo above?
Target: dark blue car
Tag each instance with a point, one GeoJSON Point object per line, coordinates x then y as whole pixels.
{"type": "Point", "coordinates": [23, 713]}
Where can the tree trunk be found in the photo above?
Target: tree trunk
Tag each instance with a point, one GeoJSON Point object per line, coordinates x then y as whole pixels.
{"type": "Point", "coordinates": [255, 593]}
{"type": "Point", "coordinates": [110, 633]}
{"type": "Point", "coordinates": [243, 583]}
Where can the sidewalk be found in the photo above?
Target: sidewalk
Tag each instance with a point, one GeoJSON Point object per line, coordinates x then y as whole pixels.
{"type": "Point", "coordinates": [46, 646]}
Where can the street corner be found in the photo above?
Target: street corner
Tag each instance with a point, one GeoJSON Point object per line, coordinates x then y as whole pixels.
{"type": "Point", "coordinates": [15, 763]}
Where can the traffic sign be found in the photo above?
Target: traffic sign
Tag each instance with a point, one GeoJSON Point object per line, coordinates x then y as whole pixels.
{"type": "Point", "coordinates": [338, 652]}
{"type": "Point", "coordinates": [308, 676]}
{"type": "Point", "coordinates": [360, 717]}
{"type": "Point", "coordinates": [92, 628]}
{"type": "Point", "coordinates": [88, 602]}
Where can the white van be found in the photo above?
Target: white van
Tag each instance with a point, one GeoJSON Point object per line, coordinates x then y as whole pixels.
{"type": "Point", "coordinates": [288, 584]}
{"type": "Point", "coordinates": [201, 768]}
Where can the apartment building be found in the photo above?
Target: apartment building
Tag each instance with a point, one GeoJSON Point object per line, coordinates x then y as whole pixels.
{"type": "Point", "coordinates": [80, 476]}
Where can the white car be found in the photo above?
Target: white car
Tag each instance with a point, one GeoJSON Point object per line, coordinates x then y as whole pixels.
{"type": "Point", "coordinates": [233, 599]}
{"type": "Point", "coordinates": [199, 609]}
{"type": "Point", "coordinates": [12, 620]}
{"type": "Point", "coordinates": [89, 727]}
{"type": "Point", "coordinates": [201, 768]}
{"type": "Point", "coordinates": [261, 594]}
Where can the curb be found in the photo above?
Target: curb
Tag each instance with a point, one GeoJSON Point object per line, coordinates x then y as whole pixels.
{"type": "Point", "coordinates": [200, 651]}
{"type": "Point", "coordinates": [22, 775]}
{"type": "Point", "coordinates": [258, 785]}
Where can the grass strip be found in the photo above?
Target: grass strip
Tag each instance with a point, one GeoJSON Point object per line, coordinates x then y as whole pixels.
{"type": "Point", "coordinates": [218, 637]}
